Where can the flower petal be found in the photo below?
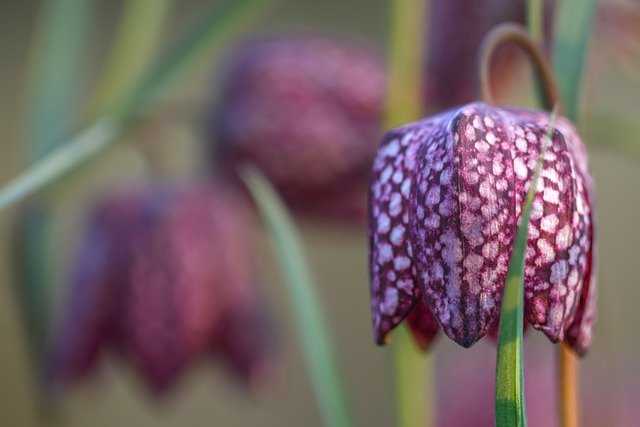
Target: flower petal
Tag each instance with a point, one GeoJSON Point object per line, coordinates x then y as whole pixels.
{"type": "Point", "coordinates": [422, 325]}
{"type": "Point", "coordinates": [464, 221]}
{"type": "Point", "coordinates": [394, 290]}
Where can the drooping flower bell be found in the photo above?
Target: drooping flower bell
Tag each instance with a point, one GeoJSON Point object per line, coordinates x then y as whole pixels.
{"type": "Point", "coordinates": [306, 110]}
{"type": "Point", "coordinates": [444, 204]}
{"type": "Point", "coordinates": [163, 277]}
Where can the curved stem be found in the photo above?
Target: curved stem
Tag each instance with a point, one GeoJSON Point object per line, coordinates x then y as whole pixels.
{"type": "Point", "coordinates": [568, 386]}
{"type": "Point", "coordinates": [518, 35]}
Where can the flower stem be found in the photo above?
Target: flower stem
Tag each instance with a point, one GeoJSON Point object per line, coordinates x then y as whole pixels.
{"type": "Point", "coordinates": [414, 382]}
{"type": "Point", "coordinates": [412, 371]}
{"type": "Point", "coordinates": [568, 386]}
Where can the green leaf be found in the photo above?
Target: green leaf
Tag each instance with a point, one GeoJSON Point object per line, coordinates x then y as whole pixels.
{"type": "Point", "coordinates": [572, 31]}
{"type": "Point", "coordinates": [55, 69]}
{"type": "Point", "coordinates": [54, 72]}
{"type": "Point", "coordinates": [139, 31]}
{"type": "Point", "coordinates": [510, 403]}
{"type": "Point", "coordinates": [311, 323]}
{"type": "Point", "coordinates": [105, 130]}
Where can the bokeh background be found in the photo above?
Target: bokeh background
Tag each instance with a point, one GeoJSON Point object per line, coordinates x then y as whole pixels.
{"type": "Point", "coordinates": [206, 396]}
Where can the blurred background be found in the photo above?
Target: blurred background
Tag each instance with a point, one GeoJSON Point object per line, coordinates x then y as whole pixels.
{"type": "Point", "coordinates": [174, 134]}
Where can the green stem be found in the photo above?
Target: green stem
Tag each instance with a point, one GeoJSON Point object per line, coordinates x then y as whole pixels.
{"type": "Point", "coordinates": [414, 382]}
{"type": "Point", "coordinates": [412, 371]}
{"type": "Point", "coordinates": [572, 32]}
{"type": "Point", "coordinates": [309, 317]}
{"type": "Point", "coordinates": [106, 130]}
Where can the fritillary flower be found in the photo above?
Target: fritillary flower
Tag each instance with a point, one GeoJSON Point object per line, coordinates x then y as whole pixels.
{"type": "Point", "coordinates": [162, 277]}
{"type": "Point", "coordinates": [306, 111]}
{"type": "Point", "coordinates": [445, 200]}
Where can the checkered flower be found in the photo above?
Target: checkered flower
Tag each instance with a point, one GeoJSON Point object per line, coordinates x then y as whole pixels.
{"type": "Point", "coordinates": [306, 110]}
{"type": "Point", "coordinates": [444, 203]}
{"type": "Point", "coordinates": [162, 277]}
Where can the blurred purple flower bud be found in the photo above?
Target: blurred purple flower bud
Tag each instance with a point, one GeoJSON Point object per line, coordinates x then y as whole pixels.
{"type": "Point", "coordinates": [164, 276]}
{"type": "Point", "coordinates": [445, 199]}
{"type": "Point", "coordinates": [456, 28]}
{"type": "Point", "coordinates": [306, 110]}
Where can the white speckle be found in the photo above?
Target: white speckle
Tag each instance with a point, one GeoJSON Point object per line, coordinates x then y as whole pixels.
{"type": "Point", "coordinates": [482, 146]}
{"type": "Point", "coordinates": [497, 167]}
{"type": "Point", "coordinates": [537, 209]}
{"type": "Point", "coordinates": [398, 176]}
{"type": "Point", "coordinates": [385, 253]}
{"type": "Point", "coordinates": [433, 221]}
{"type": "Point", "coordinates": [397, 235]}
{"type": "Point", "coordinates": [490, 250]}
{"type": "Point", "coordinates": [546, 250]}
{"type": "Point", "coordinates": [521, 144]}
{"type": "Point", "coordinates": [550, 195]}
{"type": "Point", "coordinates": [401, 263]}
{"type": "Point", "coordinates": [550, 174]}
{"type": "Point", "coordinates": [391, 150]}
{"type": "Point", "coordinates": [395, 204]}
{"type": "Point", "coordinates": [445, 176]}
{"type": "Point", "coordinates": [559, 271]}
{"type": "Point", "coordinates": [520, 168]}
{"type": "Point", "coordinates": [563, 238]}
{"type": "Point", "coordinates": [472, 177]}
{"type": "Point", "coordinates": [384, 223]}
{"type": "Point", "coordinates": [433, 196]}
{"type": "Point", "coordinates": [406, 187]}
{"type": "Point", "coordinates": [386, 174]}
{"type": "Point", "coordinates": [488, 121]}
{"type": "Point", "coordinates": [491, 138]}
{"type": "Point", "coordinates": [501, 184]}
{"type": "Point", "coordinates": [390, 303]}
{"type": "Point", "coordinates": [549, 223]}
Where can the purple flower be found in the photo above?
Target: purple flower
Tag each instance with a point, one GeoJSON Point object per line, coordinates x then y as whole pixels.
{"type": "Point", "coordinates": [162, 277]}
{"type": "Point", "coordinates": [445, 199]}
{"type": "Point", "coordinates": [306, 110]}
{"type": "Point", "coordinates": [456, 28]}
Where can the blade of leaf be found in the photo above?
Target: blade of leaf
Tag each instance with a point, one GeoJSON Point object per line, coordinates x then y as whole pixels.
{"type": "Point", "coordinates": [104, 131]}
{"type": "Point", "coordinates": [572, 32]}
{"type": "Point", "coordinates": [55, 69]}
{"type": "Point", "coordinates": [139, 30]}
{"type": "Point", "coordinates": [311, 323]}
{"type": "Point", "coordinates": [54, 73]}
{"type": "Point", "coordinates": [510, 403]}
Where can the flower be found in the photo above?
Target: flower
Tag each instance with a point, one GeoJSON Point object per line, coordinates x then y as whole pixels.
{"type": "Point", "coordinates": [456, 28]}
{"type": "Point", "coordinates": [162, 277]}
{"type": "Point", "coordinates": [305, 110]}
{"type": "Point", "coordinates": [445, 198]}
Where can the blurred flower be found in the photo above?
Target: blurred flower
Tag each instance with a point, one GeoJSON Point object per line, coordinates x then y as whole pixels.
{"type": "Point", "coordinates": [163, 276]}
{"type": "Point", "coordinates": [445, 199]}
{"type": "Point", "coordinates": [306, 110]}
{"type": "Point", "coordinates": [456, 28]}
{"type": "Point", "coordinates": [619, 23]}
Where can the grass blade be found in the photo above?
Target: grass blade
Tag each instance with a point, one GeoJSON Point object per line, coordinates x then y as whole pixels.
{"type": "Point", "coordinates": [572, 31]}
{"type": "Point", "coordinates": [312, 325]}
{"type": "Point", "coordinates": [104, 131]}
{"type": "Point", "coordinates": [510, 403]}
{"type": "Point", "coordinates": [412, 371]}
{"type": "Point", "coordinates": [139, 30]}
{"type": "Point", "coordinates": [54, 73]}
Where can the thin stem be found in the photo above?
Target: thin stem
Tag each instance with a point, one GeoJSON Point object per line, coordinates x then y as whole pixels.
{"type": "Point", "coordinates": [413, 382]}
{"type": "Point", "coordinates": [516, 34]}
{"type": "Point", "coordinates": [412, 371]}
{"type": "Point", "coordinates": [568, 386]}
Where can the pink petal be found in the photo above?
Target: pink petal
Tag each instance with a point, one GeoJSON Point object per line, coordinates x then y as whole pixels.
{"type": "Point", "coordinates": [422, 325]}
{"type": "Point", "coordinates": [394, 290]}
{"type": "Point", "coordinates": [464, 221]}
